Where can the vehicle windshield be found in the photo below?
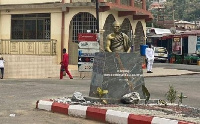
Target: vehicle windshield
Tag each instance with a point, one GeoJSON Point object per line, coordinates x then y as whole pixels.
{"type": "Point", "coordinates": [160, 50]}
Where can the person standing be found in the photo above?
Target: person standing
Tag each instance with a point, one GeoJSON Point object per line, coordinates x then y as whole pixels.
{"type": "Point", "coordinates": [2, 66]}
{"type": "Point", "coordinates": [149, 52]}
{"type": "Point", "coordinates": [117, 41]}
{"type": "Point", "coordinates": [64, 65]}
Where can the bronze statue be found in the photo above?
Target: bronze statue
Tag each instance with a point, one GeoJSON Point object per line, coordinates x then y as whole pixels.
{"type": "Point", "coordinates": [117, 41]}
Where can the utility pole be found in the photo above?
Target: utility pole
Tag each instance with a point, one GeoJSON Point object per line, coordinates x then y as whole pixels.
{"type": "Point", "coordinates": [97, 15]}
{"type": "Point", "coordinates": [173, 14]}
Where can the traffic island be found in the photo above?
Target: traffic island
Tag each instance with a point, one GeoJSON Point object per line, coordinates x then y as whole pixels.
{"type": "Point", "coordinates": [102, 114]}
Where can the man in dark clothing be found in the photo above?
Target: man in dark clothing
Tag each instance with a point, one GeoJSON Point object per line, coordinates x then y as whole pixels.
{"type": "Point", "coordinates": [64, 65]}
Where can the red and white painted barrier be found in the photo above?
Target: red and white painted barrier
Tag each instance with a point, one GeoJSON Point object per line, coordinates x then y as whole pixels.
{"type": "Point", "coordinates": [103, 115]}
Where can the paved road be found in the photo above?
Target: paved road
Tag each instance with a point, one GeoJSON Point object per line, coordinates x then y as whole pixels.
{"type": "Point", "coordinates": [195, 68]}
{"type": "Point", "coordinates": [19, 96]}
{"type": "Point", "coordinates": [189, 85]}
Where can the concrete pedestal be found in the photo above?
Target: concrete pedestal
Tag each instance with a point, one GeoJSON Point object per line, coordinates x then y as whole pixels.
{"type": "Point", "coordinates": [119, 73]}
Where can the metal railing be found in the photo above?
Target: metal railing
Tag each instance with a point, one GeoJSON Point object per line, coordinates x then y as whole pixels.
{"type": "Point", "coordinates": [28, 47]}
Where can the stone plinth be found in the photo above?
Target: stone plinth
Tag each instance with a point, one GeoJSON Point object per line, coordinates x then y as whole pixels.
{"type": "Point", "coordinates": [119, 73]}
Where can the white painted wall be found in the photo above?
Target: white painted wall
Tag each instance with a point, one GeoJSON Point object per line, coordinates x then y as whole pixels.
{"type": "Point", "coordinates": [192, 41]}
{"type": "Point", "coordinates": [5, 26]}
{"type": "Point", "coordinates": [56, 19]}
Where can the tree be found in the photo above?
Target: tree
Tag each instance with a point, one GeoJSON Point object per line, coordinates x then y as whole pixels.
{"type": "Point", "coordinates": [187, 10]}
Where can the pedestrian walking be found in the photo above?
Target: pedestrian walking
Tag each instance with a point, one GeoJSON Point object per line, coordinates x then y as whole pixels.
{"type": "Point", "coordinates": [149, 52]}
{"type": "Point", "coordinates": [2, 61]}
{"type": "Point", "coordinates": [64, 65]}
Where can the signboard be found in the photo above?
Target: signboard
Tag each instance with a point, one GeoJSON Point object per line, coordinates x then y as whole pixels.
{"type": "Point", "coordinates": [87, 52]}
{"type": "Point", "coordinates": [177, 45]}
{"type": "Point", "coordinates": [85, 67]}
{"type": "Point", "coordinates": [87, 37]}
{"type": "Point", "coordinates": [87, 48]}
{"type": "Point", "coordinates": [88, 45]}
{"type": "Point", "coordinates": [86, 59]}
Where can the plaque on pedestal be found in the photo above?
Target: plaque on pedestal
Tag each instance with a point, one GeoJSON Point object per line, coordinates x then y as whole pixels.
{"type": "Point", "coordinates": [119, 73]}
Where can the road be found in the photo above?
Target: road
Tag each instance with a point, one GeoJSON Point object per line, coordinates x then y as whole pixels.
{"type": "Point", "coordinates": [19, 96]}
{"type": "Point", "coordinates": [189, 85]}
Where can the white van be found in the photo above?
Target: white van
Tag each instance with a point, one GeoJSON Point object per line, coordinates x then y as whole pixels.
{"type": "Point", "coordinates": [160, 54]}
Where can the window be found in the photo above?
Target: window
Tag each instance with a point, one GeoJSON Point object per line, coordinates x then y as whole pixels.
{"type": "Point", "coordinates": [82, 22]}
{"type": "Point", "coordinates": [30, 26]}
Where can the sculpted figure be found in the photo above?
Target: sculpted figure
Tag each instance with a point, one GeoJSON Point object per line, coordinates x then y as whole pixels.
{"type": "Point", "coordinates": [117, 41]}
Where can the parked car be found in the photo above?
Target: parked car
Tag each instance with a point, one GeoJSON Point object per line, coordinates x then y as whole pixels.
{"type": "Point", "coordinates": [160, 54]}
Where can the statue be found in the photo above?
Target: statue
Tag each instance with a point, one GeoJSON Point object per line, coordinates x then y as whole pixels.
{"type": "Point", "coordinates": [117, 72]}
{"type": "Point", "coordinates": [117, 41]}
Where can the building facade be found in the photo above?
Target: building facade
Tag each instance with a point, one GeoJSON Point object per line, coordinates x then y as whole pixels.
{"type": "Point", "coordinates": [44, 27]}
{"type": "Point", "coordinates": [185, 25]}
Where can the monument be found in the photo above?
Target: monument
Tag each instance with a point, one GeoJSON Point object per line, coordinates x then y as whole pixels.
{"type": "Point", "coordinates": [119, 73]}
{"type": "Point", "coordinates": [117, 70]}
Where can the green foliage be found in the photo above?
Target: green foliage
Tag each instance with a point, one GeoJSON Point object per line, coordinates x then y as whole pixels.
{"type": "Point", "coordinates": [181, 97]}
{"type": "Point", "coordinates": [145, 93]}
{"type": "Point", "coordinates": [171, 94]}
{"type": "Point", "coordinates": [187, 10]}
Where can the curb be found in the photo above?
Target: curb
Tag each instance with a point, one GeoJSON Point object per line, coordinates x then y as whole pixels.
{"type": "Point", "coordinates": [171, 75]}
{"type": "Point", "coordinates": [102, 115]}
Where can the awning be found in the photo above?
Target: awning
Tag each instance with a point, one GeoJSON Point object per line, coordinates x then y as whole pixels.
{"type": "Point", "coordinates": [156, 36]}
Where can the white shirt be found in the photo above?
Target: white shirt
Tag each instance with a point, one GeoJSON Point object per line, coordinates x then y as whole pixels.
{"type": "Point", "coordinates": [2, 63]}
{"type": "Point", "coordinates": [149, 52]}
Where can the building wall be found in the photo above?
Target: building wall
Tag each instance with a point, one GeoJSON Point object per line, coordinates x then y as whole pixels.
{"type": "Point", "coordinates": [192, 41]}
{"type": "Point", "coordinates": [186, 26]}
{"type": "Point", "coordinates": [102, 18]}
{"type": "Point", "coordinates": [5, 26]}
{"type": "Point", "coordinates": [68, 18]}
{"type": "Point", "coordinates": [104, 15]}
{"type": "Point", "coordinates": [56, 20]}
{"type": "Point", "coordinates": [28, 1]}
{"type": "Point", "coordinates": [33, 66]}
{"type": "Point", "coordinates": [30, 66]}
